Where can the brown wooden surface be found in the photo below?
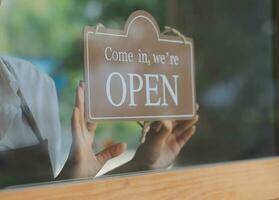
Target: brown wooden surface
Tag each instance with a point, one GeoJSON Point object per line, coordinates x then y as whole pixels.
{"type": "Point", "coordinates": [256, 179]}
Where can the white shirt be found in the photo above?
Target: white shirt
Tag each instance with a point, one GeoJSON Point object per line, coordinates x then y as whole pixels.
{"type": "Point", "coordinates": [40, 94]}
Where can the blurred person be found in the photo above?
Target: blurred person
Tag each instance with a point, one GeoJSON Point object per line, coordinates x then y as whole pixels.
{"type": "Point", "coordinates": [29, 123]}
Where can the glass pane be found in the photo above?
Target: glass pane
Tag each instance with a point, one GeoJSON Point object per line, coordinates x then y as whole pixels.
{"type": "Point", "coordinates": [234, 48]}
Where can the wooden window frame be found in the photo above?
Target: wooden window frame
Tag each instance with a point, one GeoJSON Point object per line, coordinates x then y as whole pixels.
{"type": "Point", "coordinates": [252, 179]}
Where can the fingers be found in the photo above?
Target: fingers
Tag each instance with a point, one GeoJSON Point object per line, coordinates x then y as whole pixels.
{"type": "Point", "coordinates": [185, 136]}
{"type": "Point", "coordinates": [153, 131]}
{"type": "Point", "coordinates": [80, 104]}
{"type": "Point", "coordinates": [184, 125]}
{"type": "Point", "coordinates": [111, 152]}
{"type": "Point", "coordinates": [91, 126]}
{"type": "Point", "coordinates": [76, 128]}
{"type": "Point", "coordinates": [80, 98]}
{"type": "Point", "coordinates": [156, 126]}
{"type": "Point", "coordinates": [164, 129]}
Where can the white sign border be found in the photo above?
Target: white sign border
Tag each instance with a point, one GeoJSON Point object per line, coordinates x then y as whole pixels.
{"type": "Point", "coordinates": [159, 39]}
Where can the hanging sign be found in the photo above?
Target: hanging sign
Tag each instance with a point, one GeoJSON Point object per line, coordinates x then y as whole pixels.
{"type": "Point", "coordinates": [138, 73]}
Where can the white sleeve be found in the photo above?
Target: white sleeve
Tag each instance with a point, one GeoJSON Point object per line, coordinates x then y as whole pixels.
{"type": "Point", "coordinates": [40, 94]}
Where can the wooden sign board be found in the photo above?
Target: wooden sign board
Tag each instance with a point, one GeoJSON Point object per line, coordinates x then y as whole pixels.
{"type": "Point", "coordinates": [138, 73]}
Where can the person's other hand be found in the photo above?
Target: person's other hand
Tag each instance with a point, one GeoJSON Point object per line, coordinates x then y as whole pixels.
{"type": "Point", "coordinates": [83, 161]}
{"type": "Point", "coordinates": [163, 143]}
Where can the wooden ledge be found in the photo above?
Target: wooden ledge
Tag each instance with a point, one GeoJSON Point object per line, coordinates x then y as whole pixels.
{"type": "Point", "coordinates": [254, 179]}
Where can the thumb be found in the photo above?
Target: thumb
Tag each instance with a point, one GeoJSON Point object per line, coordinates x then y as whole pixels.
{"type": "Point", "coordinates": [111, 152]}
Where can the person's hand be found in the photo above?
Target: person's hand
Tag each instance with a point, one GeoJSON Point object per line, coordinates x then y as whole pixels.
{"type": "Point", "coordinates": [163, 143]}
{"type": "Point", "coordinates": [83, 161]}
